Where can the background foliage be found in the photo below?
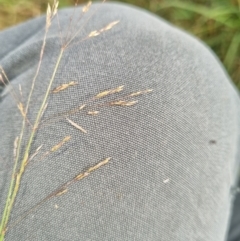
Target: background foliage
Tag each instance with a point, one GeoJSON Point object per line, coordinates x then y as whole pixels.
{"type": "Point", "coordinates": [217, 22]}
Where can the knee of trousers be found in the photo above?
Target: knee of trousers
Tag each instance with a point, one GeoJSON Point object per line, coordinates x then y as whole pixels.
{"type": "Point", "coordinates": [173, 149]}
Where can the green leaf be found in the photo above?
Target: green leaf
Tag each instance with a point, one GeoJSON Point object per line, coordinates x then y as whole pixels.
{"type": "Point", "coordinates": [232, 52]}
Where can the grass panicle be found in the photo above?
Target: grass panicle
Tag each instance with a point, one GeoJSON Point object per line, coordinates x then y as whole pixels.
{"type": "Point", "coordinates": [24, 154]}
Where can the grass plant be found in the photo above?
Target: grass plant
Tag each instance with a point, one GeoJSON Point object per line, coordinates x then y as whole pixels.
{"type": "Point", "coordinates": [91, 107]}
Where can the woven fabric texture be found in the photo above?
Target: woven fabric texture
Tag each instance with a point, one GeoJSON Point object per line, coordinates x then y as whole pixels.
{"type": "Point", "coordinates": [175, 153]}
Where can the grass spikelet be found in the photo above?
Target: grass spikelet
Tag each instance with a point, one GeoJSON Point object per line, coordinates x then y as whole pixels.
{"type": "Point", "coordinates": [21, 109]}
{"type": "Point", "coordinates": [98, 32]}
{"type": "Point", "coordinates": [61, 192]}
{"type": "Point", "coordinates": [140, 92]}
{"type": "Point", "coordinates": [93, 112]}
{"type": "Point", "coordinates": [53, 149]}
{"type": "Point", "coordinates": [48, 16]}
{"type": "Point", "coordinates": [81, 176]}
{"type": "Point", "coordinates": [109, 26]}
{"type": "Point", "coordinates": [91, 169]}
{"type": "Point", "coordinates": [101, 163]}
{"type": "Point", "coordinates": [51, 12]}
{"type": "Point", "coordinates": [94, 33]}
{"type": "Point", "coordinates": [86, 7]}
{"type": "Point", "coordinates": [59, 145]}
{"type": "Point", "coordinates": [64, 86]}
{"type": "Point", "coordinates": [109, 92]}
{"type": "Point", "coordinates": [55, 8]}
{"type": "Point", "coordinates": [76, 126]}
{"type": "Point", "coordinates": [124, 103]}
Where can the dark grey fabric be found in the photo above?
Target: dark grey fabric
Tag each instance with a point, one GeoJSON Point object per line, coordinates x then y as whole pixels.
{"type": "Point", "coordinates": [175, 154]}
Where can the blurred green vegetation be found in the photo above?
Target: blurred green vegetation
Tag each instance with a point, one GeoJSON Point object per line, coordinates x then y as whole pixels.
{"type": "Point", "coordinates": [216, 22]}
